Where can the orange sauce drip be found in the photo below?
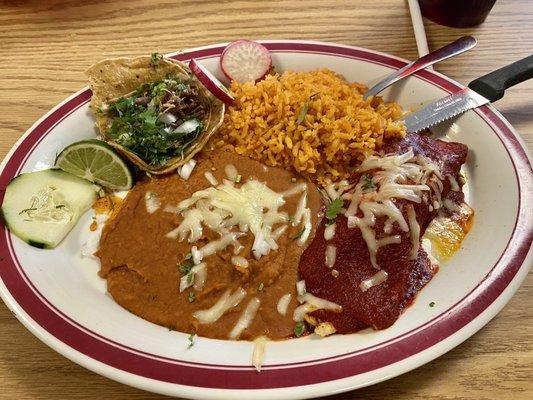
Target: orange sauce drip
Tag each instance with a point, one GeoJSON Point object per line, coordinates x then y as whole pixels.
{"type": "Point", "coordinates": [447, 233]}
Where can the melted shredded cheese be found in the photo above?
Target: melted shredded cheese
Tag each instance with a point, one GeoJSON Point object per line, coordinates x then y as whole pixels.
{"type": "Point", "coordinates": [300, 287]}
{"type": "Point", "coordinates": [329, 231]}
{"type": "Point", "coordinates": [224, 303]}
{"type": "Point", "coordinates": [210, 178]}
{"type": "Point", "coordinates": [376, 279]}
{"type": "Point", "coordinates": [312, 303]}
{"type": "Point", "coordinates": [331, 255]}
{"type": "Point", "coordinates": [453, 183]}
{"type": "Point", "coordinates": [414, 230]}
{"type": "Point", "coordinates": [259, 352]}
{"type": "Point", "coordinates": [196, 277]}
{"type": "Point", "coordinates": [404, 176]}
{"type": "Point", "coordinates": [283, 303]}
{"type": "Point", "coordinates": [246, 318]}
{"type": "Point", "coordinates": [252, 207]}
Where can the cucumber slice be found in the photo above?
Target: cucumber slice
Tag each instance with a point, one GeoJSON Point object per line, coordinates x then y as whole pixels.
{"type": "Point", "coordinates": [42, 207]}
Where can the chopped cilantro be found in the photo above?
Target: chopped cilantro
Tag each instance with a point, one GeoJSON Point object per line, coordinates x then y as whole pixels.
{"type": "Point", "coordinates": [368, 183]}
{"type": "Point", "coordinates": [188, 256]}
{"type": "Point", "coordinates": [192, 297]}
{"type": "Point", "coordinates": [305, 109]}
{"type": "Point", "coordinates": [291, 219]}
{"type": "Point", "coordinates": [190, 278]}
{"type": "Point", "coordinates": [238, 179]}
{"type": "Point", "coordinates": [432, 304]}
{"type": "Point", "coordinates": [299, 329]}
{"type": "Point", "coordinates": [261, 287]}
{"type": "Point", "coordinates": [186, 266]}
{"type": "Point", "coordinates": [299, 234]}
{"type": "Point", "coordinates": [27, 210]}
{"type": "Point", "coordinates": [334, 208]}
{"type": "Point", "coordinates": [191, 340]}
{"type": "Point", "coordinates": [136, 124]}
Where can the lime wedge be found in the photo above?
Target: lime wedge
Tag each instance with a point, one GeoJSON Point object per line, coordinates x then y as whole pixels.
{"type": "Point", "coordinates": [97, 162]}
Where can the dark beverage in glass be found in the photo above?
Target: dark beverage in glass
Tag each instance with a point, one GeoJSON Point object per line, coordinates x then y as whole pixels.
{"type": "Point", "coordinates": [456, 13]}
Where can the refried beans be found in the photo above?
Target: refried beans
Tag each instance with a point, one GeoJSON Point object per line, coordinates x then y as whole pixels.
{"type": "Point", "coordinates": [141, 264]}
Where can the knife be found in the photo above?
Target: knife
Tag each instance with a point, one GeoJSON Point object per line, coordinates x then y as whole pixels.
{"type": "Point", "coordinates": [484, 90]}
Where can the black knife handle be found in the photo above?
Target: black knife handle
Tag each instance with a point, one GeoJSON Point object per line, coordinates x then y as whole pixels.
{"type": "Point", "coordinates": [492, 86]}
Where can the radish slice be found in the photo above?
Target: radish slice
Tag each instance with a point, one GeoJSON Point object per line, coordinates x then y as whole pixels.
{"type": "Point", "coordinates": [245, 61]}
{"type": "Point", "coordinates": [210, 82]}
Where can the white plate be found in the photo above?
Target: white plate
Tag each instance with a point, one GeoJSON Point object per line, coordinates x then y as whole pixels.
{"type": "Point", "coordinates": [58, 296]}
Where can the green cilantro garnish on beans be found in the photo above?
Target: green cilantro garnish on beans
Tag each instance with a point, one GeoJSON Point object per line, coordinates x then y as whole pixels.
{"type": "Point", "coordinates": [191, 340]}
{"type": "Point", "coordinates": [299, 329]}
{"type": "Point", "coordinates": [192, 297]}
{"type": "Point", "coordinates": [334, 208]}
{"type": "Point", "coordinates": [186, 266]}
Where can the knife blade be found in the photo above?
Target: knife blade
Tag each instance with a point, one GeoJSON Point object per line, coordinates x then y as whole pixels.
{"type": "Point", "coordinates": [484, 90]}
{"type": "Point", "coordinates": [443, 109]}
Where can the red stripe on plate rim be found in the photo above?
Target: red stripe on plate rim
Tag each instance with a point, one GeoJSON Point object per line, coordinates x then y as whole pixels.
{"type": "Point", "coordinates": [163, 369]}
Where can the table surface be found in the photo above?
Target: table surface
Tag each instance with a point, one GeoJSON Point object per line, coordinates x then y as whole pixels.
{"type": "Point", "coordinates": [45, 46]}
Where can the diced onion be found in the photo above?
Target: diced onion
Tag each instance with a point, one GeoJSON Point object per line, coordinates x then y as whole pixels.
{"type": "Point", "coordinates": [185, 170]}
{"type": "Point", "coordinates": [224, 303]}
{"type": "Point", "coordinates": [246, 318]}
{"type": "Point", "coordinates": [167, 118]}
{"type": "Point", "coordinates": [376, 279]}
{"type": "Point", "coordinates": [187, 126]}
{"type": "Point", "coordinates": [283, 303]}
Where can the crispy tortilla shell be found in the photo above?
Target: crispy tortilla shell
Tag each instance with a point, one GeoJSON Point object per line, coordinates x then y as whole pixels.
{"type": "Point", "coordinates": [114, 78]}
